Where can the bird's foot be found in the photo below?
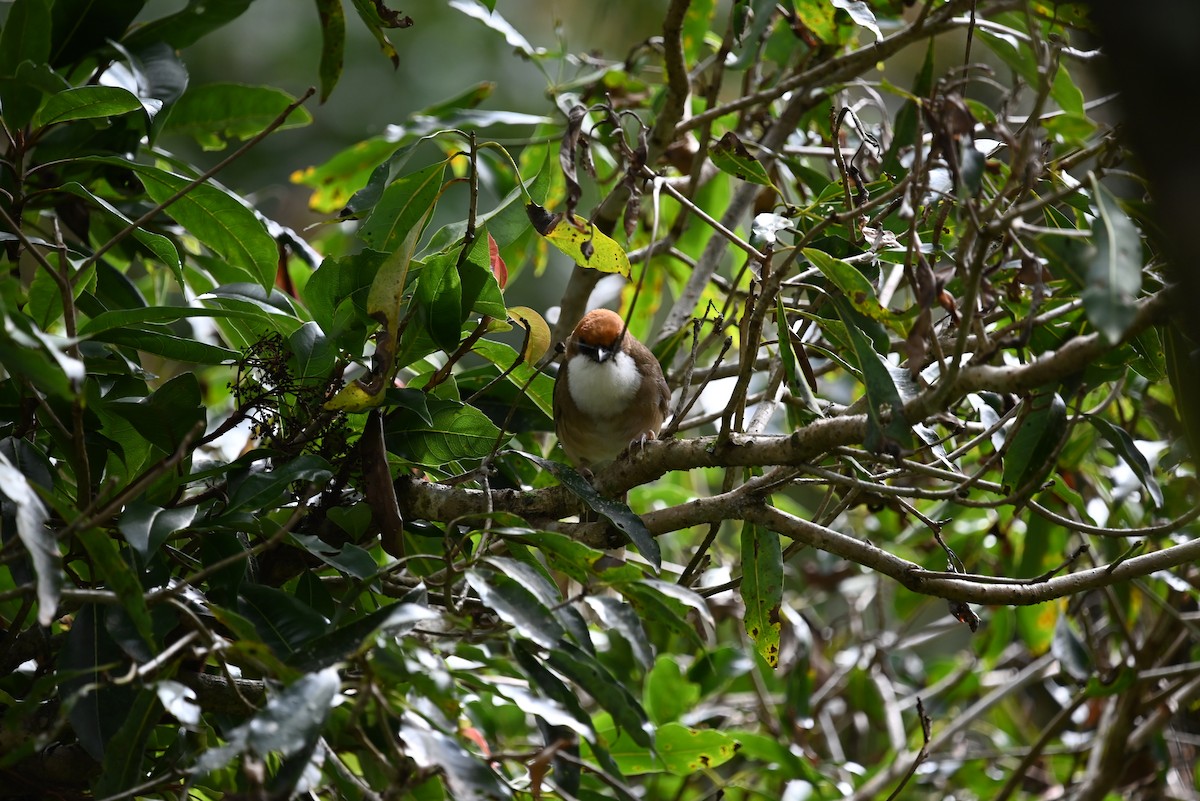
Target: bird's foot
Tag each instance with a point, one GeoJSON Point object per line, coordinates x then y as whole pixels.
{"type": "Point", "coordinates": [639, 443]}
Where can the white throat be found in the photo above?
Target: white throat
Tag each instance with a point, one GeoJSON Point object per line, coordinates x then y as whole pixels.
{"type": "Point", "coordinates": [604, 389]}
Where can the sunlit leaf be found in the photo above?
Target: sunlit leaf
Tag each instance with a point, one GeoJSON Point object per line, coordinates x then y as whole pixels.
{"type": "Point", "coordinates": [39, 541]}
{"type": "Point", "coordinates": [86, 102]}
{"type": "Point", "coordinates": [861, 13]}
{"type": "Point", "coordinates": [580, 240]}
{"type": "Point", "coordinates": [857, 289]}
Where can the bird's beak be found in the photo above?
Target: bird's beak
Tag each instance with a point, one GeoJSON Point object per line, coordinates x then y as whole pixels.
{"type": "Point", "coordinates": [597, 352]}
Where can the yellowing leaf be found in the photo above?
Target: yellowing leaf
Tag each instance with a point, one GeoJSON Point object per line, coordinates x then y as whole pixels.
{"type": "Point", "coordinates": [354, 397]}
{"type": "Point", "coordinates": [580, 240]}
{"type": "Point", "coordinates": [539, 332]}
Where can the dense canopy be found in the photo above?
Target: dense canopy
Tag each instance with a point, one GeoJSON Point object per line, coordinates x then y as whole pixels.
{"type": "Point", "coordinates": [282, 514]}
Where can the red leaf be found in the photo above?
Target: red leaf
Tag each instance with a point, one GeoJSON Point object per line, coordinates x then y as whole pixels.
{"type": "Point", "coordinates": [499, 268]}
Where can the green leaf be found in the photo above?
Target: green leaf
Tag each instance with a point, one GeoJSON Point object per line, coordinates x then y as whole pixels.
{"type": "Point", "coordinates": [668, 694]}
{"type": "Point", "coordinates": [270, 311]}
{"type": "Point", "coordinates": [439, 290]}
{"type": "Point", "coordinates": [125, 318]}
{"type": "Point", "coordinates": [122, 767]}
{"type": "Point", "coordinates": [905, 127]}
{"type": "Point", "coordinates": [457, 432]}
{"type": "Point", "coordinates": [157, 244]}
{"type": "Point", "coordinates": [120, 578]}
{"type": "Point", "coordinates": [730, 156]}
{"type": "Point", "coordinates": [283, 621]}
{"type": "Point", "coordinates": [605, 688]}
{"type": "Point", "coordinates": [348, 558]}
{"type": "Point", "coordinates": [762, 589]}
{"type": "Point", "coordinates": [1114, 278]}
{"type": "Point", "coordinates": [260, 491]}
{"type": "Point", "coordinates": [551, 686]}
{"type": "Point", "coordinates": [215, 114]}
{"type": "Point", "coordinates": [26, 37]}
{"type": "Point", "coordinates": [39, 541]}
{"type": "Point", "coordinates": [480, 291]}
{"type": "Point", "coordinates": [1069, 649]}
{"type": "Point", "coordinates": [98, 708]}
{"type": "Point", "coordinates": [160, 341]}
{"type": "Point", "coordinates": [22, 94]}
{"type": "Point", "coordinates": [290, 723]}
{"type": "Point", "coordinates": [467, 776]}
{"type": "Point", "coordinates": [677, 749]}
{"type": "Point", "coordinates": [488, 16]}
{"type": "Point", "coordinates": [403, 207]}
{"type": "Point", "coordinates": [1027, 452]}
{"type": "Point", "coordinates": [368, 12]}
{"type": "Point", "coordinates": [516, 606]}
{"type": "Point", "coordinates": [685, 750]}
{"type": "Point", "coordinates": [86, 103]}
{"type": "Point", "coordinates": [1021, 58]}
{"type": "Point", "coordinates": [853, 284]}
{"type": "Point", "coordinates": [396, 620]}
{"type": "Point", "coordinates": [168, 415]}
{"type": "Point", "coordinates": [339, 287]}
{"type": "Point", "coordinates": [215, 217]}
{"type": "Point", "coordinates": [617, 512]}
{"type": "Point", "coordinates": [1124, 445]}
{"type": "Point", "coordinates": [146, 526]}
{"type": "Point", "coordinates": [659, 608]}
{"type": "Point", "coordinates": [188, 25]}
{"type": "Point", "coordinates": [540, 391]}
{"type": "Point", "coordinates": [576, 560]}
{"type": "Point", "coordinates": [619, 617]}
{"type": "Point", "coordinates": [1097, 688]}
{"type": "Point", "coordinates": [313, 354]}
{"type": "Point", "coordinates": [84, 26]}
{"type": "Point", "coordinates": [861, 13]}
{"type": "Point", "coordinates": [333, 44]}
{"type": "Point", "coordinates": [1183, 370]}
{"type": "Point", "coordinates": [338, 179]}
{"type": "Point", "coordinates": [882, 393]}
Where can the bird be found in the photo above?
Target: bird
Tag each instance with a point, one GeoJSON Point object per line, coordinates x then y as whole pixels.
{"type": "Point", "coordinates": [610, 393]}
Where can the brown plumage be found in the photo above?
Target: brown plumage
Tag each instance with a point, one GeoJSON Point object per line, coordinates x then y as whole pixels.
{"type": "Point", "coordinates": [610, 392]}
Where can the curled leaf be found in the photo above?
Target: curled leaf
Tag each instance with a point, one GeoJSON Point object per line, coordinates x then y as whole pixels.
{"type": "Point", "coordinates": [539, 332]}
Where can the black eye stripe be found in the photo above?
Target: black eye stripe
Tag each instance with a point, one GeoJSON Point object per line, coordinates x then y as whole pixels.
{"type": "Point", "coordinates": [594, 350]}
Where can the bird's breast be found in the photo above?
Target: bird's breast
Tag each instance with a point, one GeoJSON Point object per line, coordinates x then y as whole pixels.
{"type": "Point", "coordinates": [603, 389]}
